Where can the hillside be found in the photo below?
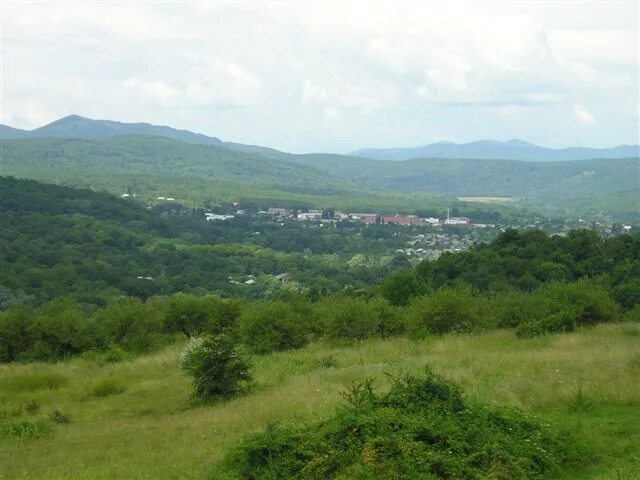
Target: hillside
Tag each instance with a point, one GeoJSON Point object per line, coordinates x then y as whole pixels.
{"type": "Point", "coordinates": [491, 149]}
{"type": "Point", "coordinates": [59, 241]}
{"type": "Point", "coordinates": [141, 154]}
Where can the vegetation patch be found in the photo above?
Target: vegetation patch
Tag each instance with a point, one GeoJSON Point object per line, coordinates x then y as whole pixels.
{"type": "Point", "coordinates": [33, 381]}
{"type": "Point", "coordinates": [421, 428]}
{"type": "Point", "coordinates": [105, 387]}
{"type": "Point", "coordinates": [24, 429]}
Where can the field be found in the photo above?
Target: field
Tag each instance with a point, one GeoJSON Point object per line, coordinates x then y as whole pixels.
{"type": "Point", "coordinates": [135, 419]}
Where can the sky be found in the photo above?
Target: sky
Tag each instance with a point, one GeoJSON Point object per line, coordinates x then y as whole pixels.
{"type": "Point", "coordinates": [329, 76]}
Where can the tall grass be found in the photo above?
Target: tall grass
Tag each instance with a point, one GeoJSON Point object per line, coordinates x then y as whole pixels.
{"type": "Point", "coordinates": [583, 381]}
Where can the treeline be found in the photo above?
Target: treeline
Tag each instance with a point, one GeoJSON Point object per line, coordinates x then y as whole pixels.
{"type": "Point", "coordinates": [64, 328]}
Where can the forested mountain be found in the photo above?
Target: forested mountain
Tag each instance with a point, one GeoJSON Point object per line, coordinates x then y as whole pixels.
{"type": "Point", "coordinates": [199, 173]}
{"type": "Point", "coordinates": [490, 149]}
{"type": "Point", "coordinates": [152, 155]}
{"type": "Point", "coordinates": [75, 126]}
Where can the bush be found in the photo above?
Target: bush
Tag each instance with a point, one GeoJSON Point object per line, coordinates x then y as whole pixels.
{"type": "Point", "coordinates": [24, 429]}
{"type": "Point", "coordinates": [401, 286]}
{"type": "Point", "coordinates": [273, 326]}
{"type": "Point", "coordinates": [421, 428]}
{"type": "Point", "coordinates": [60, 418]}
{"type": "Point", "coordinates": [218, 369]}
{"type": "Point", "coordinates": [357, 318]}
{"type": "Point", "coordinates": [449, 310]}
{"type": "Point", "coordinates": [193, 315]}
{"type": "Point", "coordinates": [589, 298]}
{"type": "Point", "coordinates": [561, 321]}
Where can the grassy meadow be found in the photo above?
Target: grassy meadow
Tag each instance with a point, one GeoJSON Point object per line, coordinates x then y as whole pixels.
{"type": "Point", "coordinates": [136, 419]}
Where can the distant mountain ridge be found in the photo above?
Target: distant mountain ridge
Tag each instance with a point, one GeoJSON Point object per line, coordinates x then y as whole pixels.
{"type": "Point", "coordinates": [491, 150]}
{"type": "Point", "coordinates": [75, 126]}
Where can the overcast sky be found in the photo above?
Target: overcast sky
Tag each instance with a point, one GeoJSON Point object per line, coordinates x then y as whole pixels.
{"type": "Point", "coordinates": [331, 76]}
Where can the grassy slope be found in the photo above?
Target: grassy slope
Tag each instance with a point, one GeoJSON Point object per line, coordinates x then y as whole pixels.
{"type": "Point", "coordinates": [152, 431]}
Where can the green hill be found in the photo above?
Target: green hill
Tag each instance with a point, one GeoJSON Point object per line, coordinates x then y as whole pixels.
{"type": "Point", "coordinates": [158, 166]}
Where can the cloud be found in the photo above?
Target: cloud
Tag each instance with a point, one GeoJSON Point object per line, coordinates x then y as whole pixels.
{"type": "Point", "coordinates": [391, 71]}
{"type": "Point", "coordinates": [207, 82]}
{"type": "Point", "coordinates": [583, 115]}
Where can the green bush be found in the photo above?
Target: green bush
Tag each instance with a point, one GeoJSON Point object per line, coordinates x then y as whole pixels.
{"type": "Point", "coordinates": [272, 326]}
{"type": "Point", "coordinates": [218, 369]}
{"type": "Point", "coordinates": [194, 315]}
{"type": "Point", "coordinates": [24, 429]}
{"type": "Point", "coordinates": [422, 428]}
{"type": "Point", "coordinates": [559, 322]}
{"type": "Point", "coordinates": [357, 318]}
{"type": "Point", "coordinates": [589, 298]}
{"type": "Point", "coordinates": [449, 310]}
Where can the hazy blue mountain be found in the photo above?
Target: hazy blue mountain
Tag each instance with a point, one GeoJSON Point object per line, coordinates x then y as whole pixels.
{"type": "Point", "coordinates": [491, 149]}
{"type": "Point", "coordinates": [75, 126]}
{"type": "Point", "coordinates": [10, 132]}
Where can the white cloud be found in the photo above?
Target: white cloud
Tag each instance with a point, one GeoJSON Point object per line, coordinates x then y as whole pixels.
{"type": "Point", "coordinates": [392, 71]}
{"type": "Point", "coordinates": [583, 115]}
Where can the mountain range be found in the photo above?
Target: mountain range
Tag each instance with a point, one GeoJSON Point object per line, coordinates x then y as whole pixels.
{"type": "Point", "coordinates": [490, 149]}
{"type": "Point", "coordinates": [75, 126]}
{"type": "Point", "coordinates": [157, 161]}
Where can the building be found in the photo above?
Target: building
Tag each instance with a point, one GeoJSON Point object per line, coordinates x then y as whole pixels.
{"type": "Point", "coordinates": [283, 278]}
{"type": "Point", "coordinates": [310, 215]}
{"type": "Point", "coordinates": [212, 217]}
{"type": "Point", "coordinates": [457, 221]}
{"type": "Point", "coordinates": [400, 219]}
{"type": "Point", "coordinates": [431, 220]}
{"type": "Point", "coordinates": [366, 218]}
{"type": "Point", "coordinates": [279, 212]}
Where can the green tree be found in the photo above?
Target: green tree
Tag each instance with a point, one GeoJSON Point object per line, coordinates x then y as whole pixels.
{"type": "Point", "coordinates": [218, 369]}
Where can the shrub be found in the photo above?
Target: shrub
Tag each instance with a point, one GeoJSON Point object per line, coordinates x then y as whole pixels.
{"type": "Point", "coordinates": [421, 428]}
{"type": "Point", "coordinates": [60, 418]}
{"type": "Point", "coordinates": [401, 286]}
{"type": "Point", "coordinates": [193, 315]}
{"type": "Point", "coordinates": [587, 297]}
{"type": "Point", "coordinates": [32, 407]}
{"type": "Point", "coordinates": [218, 369]}
{"type": "Point", "coordinates": [131, 325]}
{"type": "Point", "coordinates": [326, 361]}
{"type": "Point", "coordinates": [448, 310]}
{"type": "Point", "coordinates": [558, 322]}
{"type": "Point", "coordinates": [24, 429]}
{"type": "Point", "coordinates": [357, 318]}
{"type": "Point", "coordinates": [273, 326]}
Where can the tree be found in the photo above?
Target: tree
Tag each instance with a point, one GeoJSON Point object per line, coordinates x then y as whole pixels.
{"type": "Point", "coordinates": [218, 368]}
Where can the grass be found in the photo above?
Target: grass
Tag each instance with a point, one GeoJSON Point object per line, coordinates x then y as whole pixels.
{"type": "Point", "coordinates": [582, 381]}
